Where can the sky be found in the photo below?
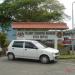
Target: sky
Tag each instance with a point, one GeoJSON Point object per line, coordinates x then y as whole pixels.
{"type": "Point", "coordinates": [68, 11]}
{"type": "Point", "coordinates": [1, 1]}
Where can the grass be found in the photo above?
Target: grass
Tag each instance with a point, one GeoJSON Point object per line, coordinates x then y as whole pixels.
{"type": "Point", "coordinates": [67, 56]}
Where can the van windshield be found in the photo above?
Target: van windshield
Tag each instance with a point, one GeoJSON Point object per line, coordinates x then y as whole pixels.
{"type": "Point", "coordinates": [40, 45]}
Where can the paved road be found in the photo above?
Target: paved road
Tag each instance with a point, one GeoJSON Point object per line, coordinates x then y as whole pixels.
{"type": "Point", "coordinates": [28, 67]}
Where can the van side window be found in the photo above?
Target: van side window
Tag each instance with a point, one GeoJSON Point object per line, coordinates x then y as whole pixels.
{"type": "Point", "coordinates": [30, 45]}
{"type": "Point", "coordinates": [18, 44]}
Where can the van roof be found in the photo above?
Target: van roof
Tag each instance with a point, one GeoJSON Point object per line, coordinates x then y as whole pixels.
{"type": "Point", "coordinates": [25, 40]}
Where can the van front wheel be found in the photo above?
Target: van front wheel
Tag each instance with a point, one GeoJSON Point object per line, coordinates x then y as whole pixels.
{"type": "Point", "coordinates": [44, 59]}
{"type": "Point", "coordinates": [11, 56]}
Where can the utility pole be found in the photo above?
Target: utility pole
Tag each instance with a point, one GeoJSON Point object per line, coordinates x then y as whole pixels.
{"type": "Point", "coordinates": [72, 27]}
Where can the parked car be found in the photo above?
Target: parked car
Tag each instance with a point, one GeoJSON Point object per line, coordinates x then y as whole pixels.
{"type": "Point", "coordinates": [31, 49]}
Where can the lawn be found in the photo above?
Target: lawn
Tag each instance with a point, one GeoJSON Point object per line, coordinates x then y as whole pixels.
{"type": "Point", "coordinates": [67, 56]}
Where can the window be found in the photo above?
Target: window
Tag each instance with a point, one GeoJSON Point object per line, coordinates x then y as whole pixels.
{"type": "Point", "coordinates": [30, 45]}
{"type": "Point", "coordinates": [18, 44]}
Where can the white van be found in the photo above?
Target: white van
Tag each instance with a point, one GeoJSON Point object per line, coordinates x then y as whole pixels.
{"type": "Point", "coordinates": [31, 49]}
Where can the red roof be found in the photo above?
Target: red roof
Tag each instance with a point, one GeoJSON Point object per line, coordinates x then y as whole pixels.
{"type": "Point", "coordinates": [38, 25]}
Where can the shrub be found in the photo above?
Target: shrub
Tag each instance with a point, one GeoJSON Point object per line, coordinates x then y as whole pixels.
{"type": "Point", "coordinates": [3, 42]}
{"type": "Point", "coordinates": [63, 50]}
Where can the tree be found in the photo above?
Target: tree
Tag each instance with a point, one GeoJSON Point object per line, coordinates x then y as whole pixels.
{"type": "Point", "coordinates": [3, 42]}
{"type": "Point", "coordinates": [33, 10]}
{"type": "Point", "coordinates": [5, 22]}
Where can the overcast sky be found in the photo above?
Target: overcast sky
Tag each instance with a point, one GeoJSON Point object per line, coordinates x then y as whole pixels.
{"type": "Point", "coordinates": [68, 10]}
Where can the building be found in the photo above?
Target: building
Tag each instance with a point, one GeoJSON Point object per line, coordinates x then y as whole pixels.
{"type": "Point", "coordinates": [44, 31]}
{"type": "Point", "coordinates": [69, 38]}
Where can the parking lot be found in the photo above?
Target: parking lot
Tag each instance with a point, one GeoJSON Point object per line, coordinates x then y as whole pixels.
{"type": "Point", "coordinates": [29, 67]}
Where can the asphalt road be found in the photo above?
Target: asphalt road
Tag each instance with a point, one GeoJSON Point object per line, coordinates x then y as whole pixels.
{"type": "Point", "coordinates": [29, 67]}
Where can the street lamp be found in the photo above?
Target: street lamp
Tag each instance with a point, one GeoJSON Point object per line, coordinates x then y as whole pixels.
{"type": "Point", "coordinates": [72, 25]}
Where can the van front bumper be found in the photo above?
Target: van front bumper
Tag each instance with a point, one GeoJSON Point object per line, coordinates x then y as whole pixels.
{"type": "Point", "coordinates": [56, 57]}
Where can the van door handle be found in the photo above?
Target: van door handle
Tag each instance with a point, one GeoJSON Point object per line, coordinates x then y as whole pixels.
{"type": "Point", "coordinates": [25, 49]}
{"type": "Point", "coordinates": [12, 48]}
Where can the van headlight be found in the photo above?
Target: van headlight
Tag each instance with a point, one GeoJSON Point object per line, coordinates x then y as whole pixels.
{"type": "Point", "coordinates": [55, 54]}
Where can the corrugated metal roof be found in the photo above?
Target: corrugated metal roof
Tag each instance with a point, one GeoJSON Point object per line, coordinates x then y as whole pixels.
{"type": "Point", "coordinates": [39, 25]}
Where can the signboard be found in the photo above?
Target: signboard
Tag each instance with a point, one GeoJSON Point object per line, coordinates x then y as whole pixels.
{"type": "Point", "coordinates": [36, 35]}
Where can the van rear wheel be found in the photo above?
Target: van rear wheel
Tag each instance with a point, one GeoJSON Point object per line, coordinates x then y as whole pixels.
{"type": "Point", "coordinates": [44, 59]}
{"type": "Point", "coordinates": [11, 56]}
